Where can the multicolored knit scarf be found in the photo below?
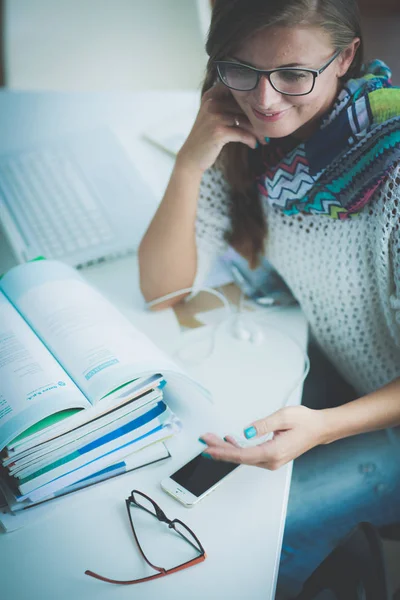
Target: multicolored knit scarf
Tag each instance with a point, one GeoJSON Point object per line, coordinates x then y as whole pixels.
{"type": "Point", "coordinates": [336, 171]}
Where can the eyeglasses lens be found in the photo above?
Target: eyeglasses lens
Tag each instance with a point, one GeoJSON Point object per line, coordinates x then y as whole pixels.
{"type": "Point", "coordinates": [292, 82]}
{"type": "Point", "coordinates": [289, 81]}
{"type": "Point", "coordinates": [162, 545]}
{"type": "Point", "coordinates": [237, 77]}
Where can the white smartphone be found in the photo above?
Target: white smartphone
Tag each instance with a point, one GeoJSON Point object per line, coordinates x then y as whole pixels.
{"type": "Point", "coordinates": [196, 479]}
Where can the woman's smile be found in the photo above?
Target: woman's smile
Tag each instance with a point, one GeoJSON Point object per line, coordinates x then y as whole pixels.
{"type": "Point", "coordinates": [269, 116]}
{"type": "Point", "coordinates": [272, 113]}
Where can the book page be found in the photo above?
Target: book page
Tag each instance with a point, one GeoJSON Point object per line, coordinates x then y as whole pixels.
{"type": "Point", "coordinates": [32, 383]}
{"type": "Point", "coordinates": [93, 341]}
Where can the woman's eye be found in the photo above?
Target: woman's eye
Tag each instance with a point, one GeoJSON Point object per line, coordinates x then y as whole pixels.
{"type": "Point", "coordinates": [240, 70]}
{"type": "Point", "coordinates": [293, 75]}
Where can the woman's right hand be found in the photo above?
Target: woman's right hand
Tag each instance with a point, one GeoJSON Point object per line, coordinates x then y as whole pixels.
{"type": "Point", "coordinates": [296, 430]}
{"type": "Point", "coordinates": [215, 126]}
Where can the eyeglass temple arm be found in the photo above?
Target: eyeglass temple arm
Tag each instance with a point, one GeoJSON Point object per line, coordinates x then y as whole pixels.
{"type": "Point", "coordinates": [130, 582]}
{"type": "Point", "coordinates": [164, 572]}
{"type": "Point", "coordinates": [161, 516]}
{"type": "Point", "coordinates": [330, 62]}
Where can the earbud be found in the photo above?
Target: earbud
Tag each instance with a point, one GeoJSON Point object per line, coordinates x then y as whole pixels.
{"type": "Point", "coordinates": [243, 333]}
{"type": "Point", "coordinates": [240, 331]}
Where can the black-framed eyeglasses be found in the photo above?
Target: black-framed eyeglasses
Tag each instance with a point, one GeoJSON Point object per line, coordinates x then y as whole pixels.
{"type": "Point", "coordinates": [152, 511]}
{"type": "Point", "coordinates": [291, 81]}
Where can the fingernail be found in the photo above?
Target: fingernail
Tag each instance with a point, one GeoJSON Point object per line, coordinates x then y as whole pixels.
{"type": "Point", "coordinates": [257, 144]}
{"type": "Point", "coordinates": [267, 139]}
{"type": "Point", "coordinates": [250, 432]}
{"type": "Point", "coordinates": [207, 455]}
{"type": "Point", "coordinates": [202, 441]}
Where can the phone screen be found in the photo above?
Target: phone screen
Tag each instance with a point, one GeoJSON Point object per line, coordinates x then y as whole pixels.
{"type": "Point", "coordinates": [201, 473]}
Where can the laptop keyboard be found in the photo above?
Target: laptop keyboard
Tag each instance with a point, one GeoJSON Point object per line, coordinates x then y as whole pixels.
{"type": "Point", "coordinates": [51, 202]}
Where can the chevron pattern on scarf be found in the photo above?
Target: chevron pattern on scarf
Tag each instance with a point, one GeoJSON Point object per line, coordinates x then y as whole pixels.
{"type": "Point", "coordinates": [336, 172]}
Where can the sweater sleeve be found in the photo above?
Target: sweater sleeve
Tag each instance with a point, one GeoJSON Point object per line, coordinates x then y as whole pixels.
{"type": "Point", "coordinates": [393, 200]}
{"type": "Point", "coordinates": [212, 222]}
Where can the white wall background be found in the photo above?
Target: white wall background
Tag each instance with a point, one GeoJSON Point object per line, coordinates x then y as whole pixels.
{"type": "Point", "coordinates": [103, 44]}
{"type": "Point", "coordinates": [128, 44]}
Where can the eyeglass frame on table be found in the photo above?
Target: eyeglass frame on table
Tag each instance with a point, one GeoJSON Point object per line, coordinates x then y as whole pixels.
{"type": "Point", "coordinates": [162, 517]}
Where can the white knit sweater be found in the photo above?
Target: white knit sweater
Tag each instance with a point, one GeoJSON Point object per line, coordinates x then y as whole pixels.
{"type": "Point", "coordinates": [345, 275]}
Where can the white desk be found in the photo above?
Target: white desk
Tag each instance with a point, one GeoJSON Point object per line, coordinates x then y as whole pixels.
{"type": "Point", "coordinates": [241, 523]}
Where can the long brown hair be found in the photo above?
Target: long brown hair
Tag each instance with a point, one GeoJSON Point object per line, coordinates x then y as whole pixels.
{"type": "Point", "coordinates": [233, 21]}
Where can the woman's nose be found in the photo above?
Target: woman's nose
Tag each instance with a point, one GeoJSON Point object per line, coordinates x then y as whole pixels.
{"type": "Point", "coordinates": [265, 94]}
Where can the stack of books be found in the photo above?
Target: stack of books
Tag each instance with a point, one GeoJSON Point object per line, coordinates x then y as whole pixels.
{"type": "Point", "coordinates": [81, 389]}
{"type": "Point", "coordinates": [56, 457]}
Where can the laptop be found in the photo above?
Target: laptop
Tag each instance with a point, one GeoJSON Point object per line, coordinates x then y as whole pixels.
{"type": "Point", "coordinates": [77, 198]}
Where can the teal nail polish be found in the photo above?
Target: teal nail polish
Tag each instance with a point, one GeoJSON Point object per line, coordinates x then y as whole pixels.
{"type": "Point", "coordinates": [250, 432]}
{"type": "Point", "coordinates": [207, 455]}
{"type": "Point", "coordinates": [202, 441]}
{"type": "Point", "coordinates": [257, 143]}
{"type": "Point", "coordinates": [267, 139]}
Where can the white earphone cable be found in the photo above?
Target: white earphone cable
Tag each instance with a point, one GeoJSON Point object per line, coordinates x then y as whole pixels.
{"type": "Point", "coordinates": [220, 296]}
{"type": "Point", "coordinates": [228, 311]}
{"type": "Point", "coordinates": [252, 316]}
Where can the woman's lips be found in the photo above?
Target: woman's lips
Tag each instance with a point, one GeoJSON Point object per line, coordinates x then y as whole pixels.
{"type": "Point", "coordinates": [269, 117]}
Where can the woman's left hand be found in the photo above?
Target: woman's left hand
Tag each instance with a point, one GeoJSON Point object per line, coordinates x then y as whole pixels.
{"type": "Point", "coordinates": [296, 429]}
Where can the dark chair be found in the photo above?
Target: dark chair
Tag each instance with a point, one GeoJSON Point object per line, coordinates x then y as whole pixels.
{"type": "Point", "coordinates": [355, 569]}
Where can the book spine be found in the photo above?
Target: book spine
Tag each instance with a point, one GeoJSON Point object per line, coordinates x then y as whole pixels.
{"type": "Point", "coordinates": [53, 486]}
{"type": "Point", "coordinates": [92, 451]}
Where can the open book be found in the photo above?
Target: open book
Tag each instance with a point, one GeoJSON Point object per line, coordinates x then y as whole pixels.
{"type": "Point", "coordinates": [80, 386]}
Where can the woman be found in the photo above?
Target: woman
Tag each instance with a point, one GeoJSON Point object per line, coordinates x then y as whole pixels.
{"type": "Point", "coordinates": [295, 152]}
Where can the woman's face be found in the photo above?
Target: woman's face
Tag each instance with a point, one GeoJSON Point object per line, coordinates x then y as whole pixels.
{"type": "Point", "coordinates": [273, 114]}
